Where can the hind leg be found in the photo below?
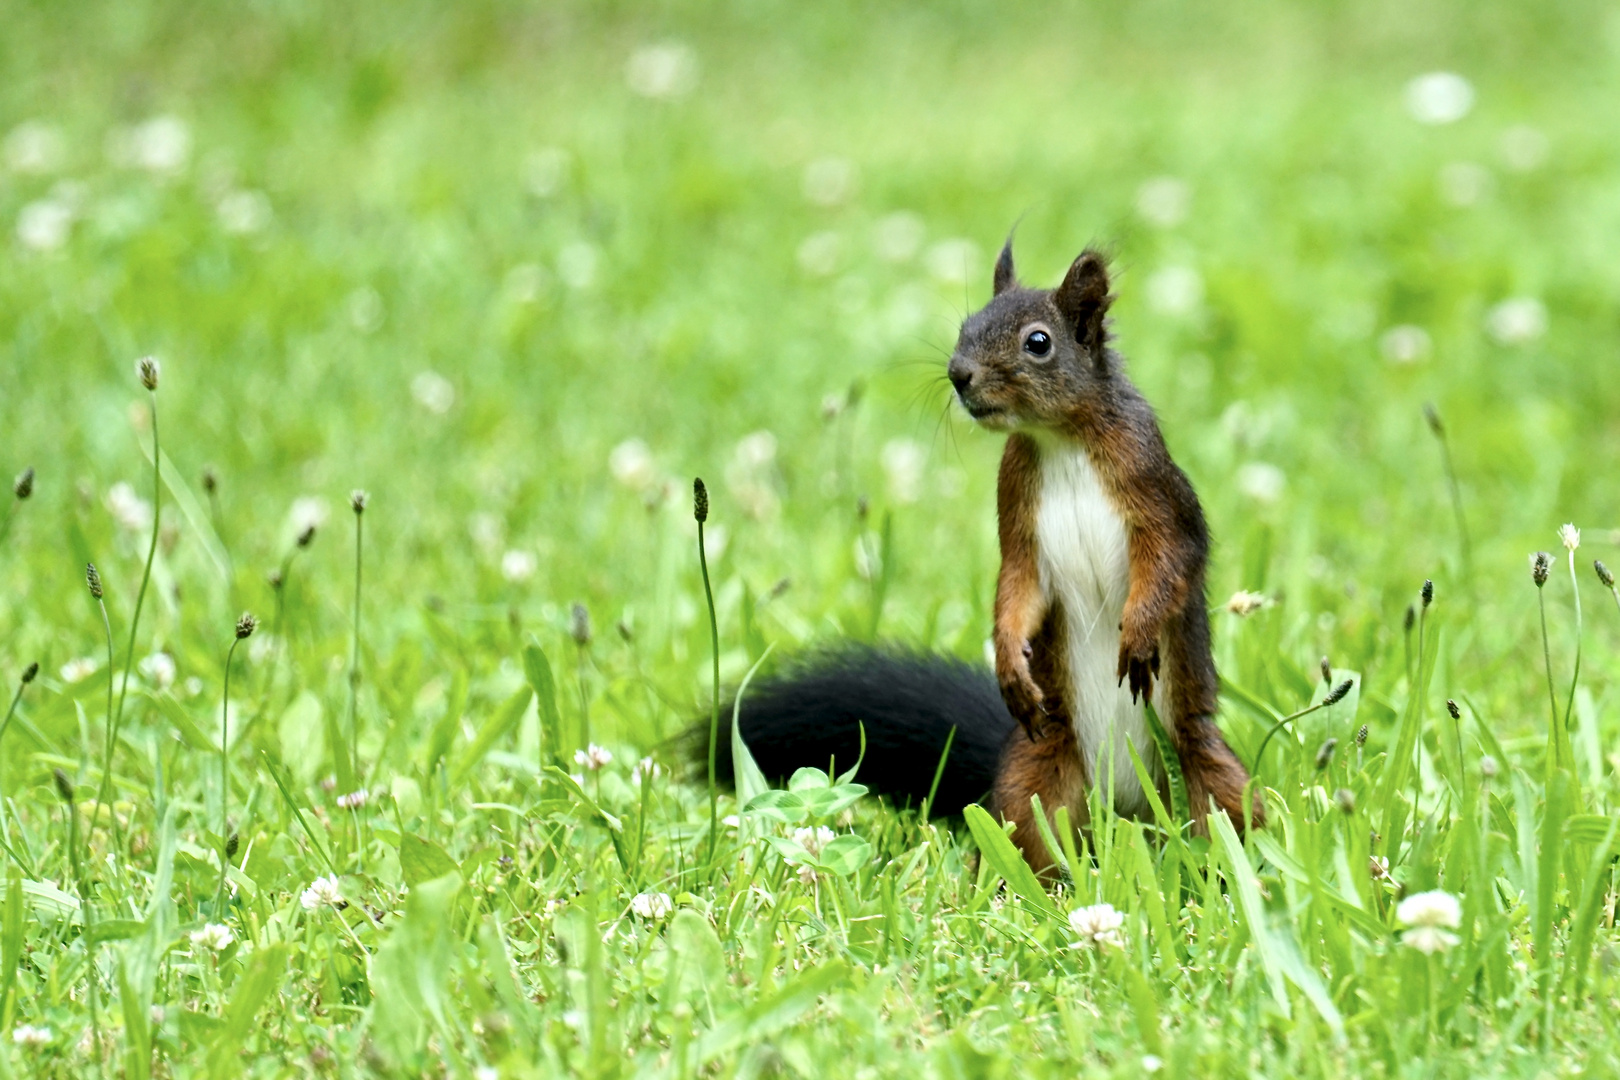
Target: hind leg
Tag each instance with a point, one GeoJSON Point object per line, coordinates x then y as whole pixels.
{"type": "Point", "coordinates": [1213, 773]}
{"type": "Point", "coordinates": [1050, 766]}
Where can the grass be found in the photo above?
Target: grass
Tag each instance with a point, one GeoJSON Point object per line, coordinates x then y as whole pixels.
{"type": "Point", "coordinates": [455, 258]}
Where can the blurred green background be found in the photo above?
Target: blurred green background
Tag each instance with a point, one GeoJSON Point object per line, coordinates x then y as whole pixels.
{"type": "Point", "coordinates": [523, 271]}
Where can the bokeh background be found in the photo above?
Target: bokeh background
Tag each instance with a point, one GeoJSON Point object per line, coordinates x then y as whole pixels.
{"type": "Point", "coordinates": [523, 271]}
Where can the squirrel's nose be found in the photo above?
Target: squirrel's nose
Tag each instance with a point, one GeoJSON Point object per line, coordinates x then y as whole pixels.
{"type": "Point", "coordinates": [961, 373]}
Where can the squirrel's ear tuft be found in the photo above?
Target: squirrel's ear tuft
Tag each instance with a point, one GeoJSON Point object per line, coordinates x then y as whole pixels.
{"type": "Point", "coordinates": [1083, 300]}
{"type": "Point", "coordinates": [1006, 278]}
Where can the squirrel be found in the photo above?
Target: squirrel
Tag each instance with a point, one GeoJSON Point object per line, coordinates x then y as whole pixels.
{"type": "Point", "coordinates": [1100, 604]}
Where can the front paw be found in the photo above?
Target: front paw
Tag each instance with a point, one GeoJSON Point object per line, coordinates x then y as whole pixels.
{"type": "Point", "coordinates": [1138, 662]}
{"type": "Point", "coordinates": [1024, 699]}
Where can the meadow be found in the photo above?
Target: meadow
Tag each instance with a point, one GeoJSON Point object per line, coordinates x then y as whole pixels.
{"type": "Point", "coordinates": [449, 305]}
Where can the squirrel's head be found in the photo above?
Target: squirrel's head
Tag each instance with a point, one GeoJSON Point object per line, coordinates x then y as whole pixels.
{"type": "Point", "coordinates": [1028, 356]}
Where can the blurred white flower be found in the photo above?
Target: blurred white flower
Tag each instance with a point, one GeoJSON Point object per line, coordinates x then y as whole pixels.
{"type": "Point", "coordinates": [30, 1036]}
{"type": "Point", "coordinates": [129, 509]}
{"type": "Point", "coordinates": [807, 875]}
{"type": "Point", "coordinates": [213, 937]}
{"type": "Point", "coordinates": [593, 757]}
{"type": "Point", "coordinates": [898, 236]}
{"type": "Point", "coordinates": [1175, 290]}
{"type": "Point", "coordinates": [323, 890]}
{"type": "Point", "coordinates": [1404, 344]}
{"type": "Point", "coordinates": [1570, 536]}
{"type": "Point", "coordinates": [645, 769]}
{"type": "Point", "coordinates": [1097, 925]}
{"type": "Point", "coordinates": [433, 392]}
{"type": "Point", "coordinates": [830, 181]}
{"type": "Point", "coordinates": [1261, 481]}
{"type": "Point", "coordinates": [365, 308]}
{"type": "Point", "coordinates": [519, 565]}
{"type": "Point", "coordinates": [749, 474]}
{"type": "Point", "coordinates": [903, 462]}
{"type": "Point", "coordinates": [486, 1072]}
{"type": "Point", "coordinates": [308, 512]}
{"type": "Point", "coordinates": [818, 254]}
{"type": "Point", "coordinates": [1523, 148]}
{"type": "Point", "coordinates": [243, 212]}
{"type": "Point", "coordinates": [1488, 767]}
{"type": "Point", "coordinates": [576, 265]}
{"type": "Point", "coordinates": [814, 840]}
{"type": "Point", "coordinates": [1152, 1063]}
{"type": "Point", "coordinates": [158, 669]}
{"type": "Point", "coordinates": [1164, 201]}
{"type": "Point", "coordinates": [1245, 603]}
{"type": "Point", "coordinates": [524, 283]}
{"type": "Point", "coordinates": [667, 70]}
{"type": "Point", "coordinates": [1464, 183]}
{"type": "Point", "coordinates": [546, 170]}
{"type": "Point", "coordinates": [192, 686]}
{"type": "Point", "coordinates": [160, 145]}
{"type": "Point", "coordinates": [354, 800]}
{"type": "Point", "coordinates": [652, 905]}
{"type": "Point", "coordinates": [34, 146]}
{"type": "Point", "coordinates": [44, 224]}
{"type": "Point", "coordinates": [1429, 917]}
{"type": "Point", "coordinates": [954, 262]}
{"type": "Point", "coordinates": [631, 463]}
{"type": "Point", "coordinates": [1440, 97]}
{"type": "Point", "coordinates": [1517, 321]}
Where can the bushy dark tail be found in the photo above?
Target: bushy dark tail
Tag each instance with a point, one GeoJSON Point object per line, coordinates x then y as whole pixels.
{"type": "Point", "coordinates": [810, 712]}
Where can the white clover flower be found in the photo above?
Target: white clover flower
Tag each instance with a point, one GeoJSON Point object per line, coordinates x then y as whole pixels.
{"type": "Point", "coordinates": [664, 71]}
{"type": "Point", "coordinates": [160, 145]}
{"type": "Point", "coordinates": [158, 669]}
{"type": "Point", "coordinates": [129, 509]}
{"type": "Point", "coordinates": [323, 890]}
{"type": "Point", "coordinates": [354, 800]}
{"type": "Point", "coordinates": [1429, 918]}
{"type": "Point", "coordinates": [1488, 767]}
{"type": "Point", "coordinates": [34, 146]}
{"type": "Point", "coordinates": [903, 461]}
{"type": "Point", "coordinates": [1152, 1063]}
{"type": "Point", "coordinates": [631, 464]}
{"type": "Point", "coordinates": [646, 769]}
{"type": "Point", "coordinates": [1175, 290]}
{"type": "Point", "coordinates": [214, 937]}
{"type": "Point", "coordinates": [808, 876]}
{"type": "Point", "coordinates": [898, 236]}
{"type": "Point", "coordinates": [244, 212]}
{"type": "Point", "coordinates": [813, 839]}
{"type": "Point", "coordinates": [1405, 344]}
{"type": "Point", "coordinates": [1097, 925]}
{"type": "Point", "coordinates": [1378, 867]}
{"type": "Point", "coordinates": [433, 392]}
{"type": "Point", "coordinates": [518, 565]}
{"type": "Point", "coordinates": [30, 1036]}
{"type": "Point", "coordinates": [486, 1072]}
{"type": "Point", "coordinates": [44, 224]}
{"type": "Point", "coordinates": [954, 261]}
{"type": "Point", "coordinates": [1245, 603]}
{"type": "Point", "coordinates": [1571, 536]}
{"type": "Point", "coordinates": [1439, 97]}
{"type": "Point", "coordinates": [1261, 481]}
{"type": "Point", "coordinates": [1163, 201]}
{"type": "Point", "coordinates": [830, 181]}
{"type": "Point", "coordinates": [1516, 321]}
{"type": "Point", "coordinates": [593, 757]}
{"type": "Point", "coordinates": [652, 905]}
{"type": "Point", "coordinates": [79, 669]}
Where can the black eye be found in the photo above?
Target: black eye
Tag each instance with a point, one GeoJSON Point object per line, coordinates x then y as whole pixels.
{"type": "Point", "coordinates": [1039, 343]}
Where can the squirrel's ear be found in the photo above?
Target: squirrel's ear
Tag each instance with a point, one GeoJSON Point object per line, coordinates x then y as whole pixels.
{"type": "Point", "coordinates": [1083, 300]}
{"type": "Point", "coordinates": [1006, 278]}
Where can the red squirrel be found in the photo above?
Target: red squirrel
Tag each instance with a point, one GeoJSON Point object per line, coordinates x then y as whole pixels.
{"type": "Point", "coordinates": [1100, 603]}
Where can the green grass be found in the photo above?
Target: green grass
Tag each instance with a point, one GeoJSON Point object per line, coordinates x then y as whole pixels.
{"type": "Point", "coordinates": [425, 304]}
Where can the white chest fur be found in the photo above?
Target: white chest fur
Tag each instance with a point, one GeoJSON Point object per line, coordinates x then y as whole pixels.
{"type": "Point", "coordinates": [1084, 563]}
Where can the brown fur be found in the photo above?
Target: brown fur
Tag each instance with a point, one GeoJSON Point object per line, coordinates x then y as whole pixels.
{"type": "Point", "coordinates": [1078, 390]}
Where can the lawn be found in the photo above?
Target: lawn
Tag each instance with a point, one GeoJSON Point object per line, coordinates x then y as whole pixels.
{"type": "Point", "coordinates": [519, 274]}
